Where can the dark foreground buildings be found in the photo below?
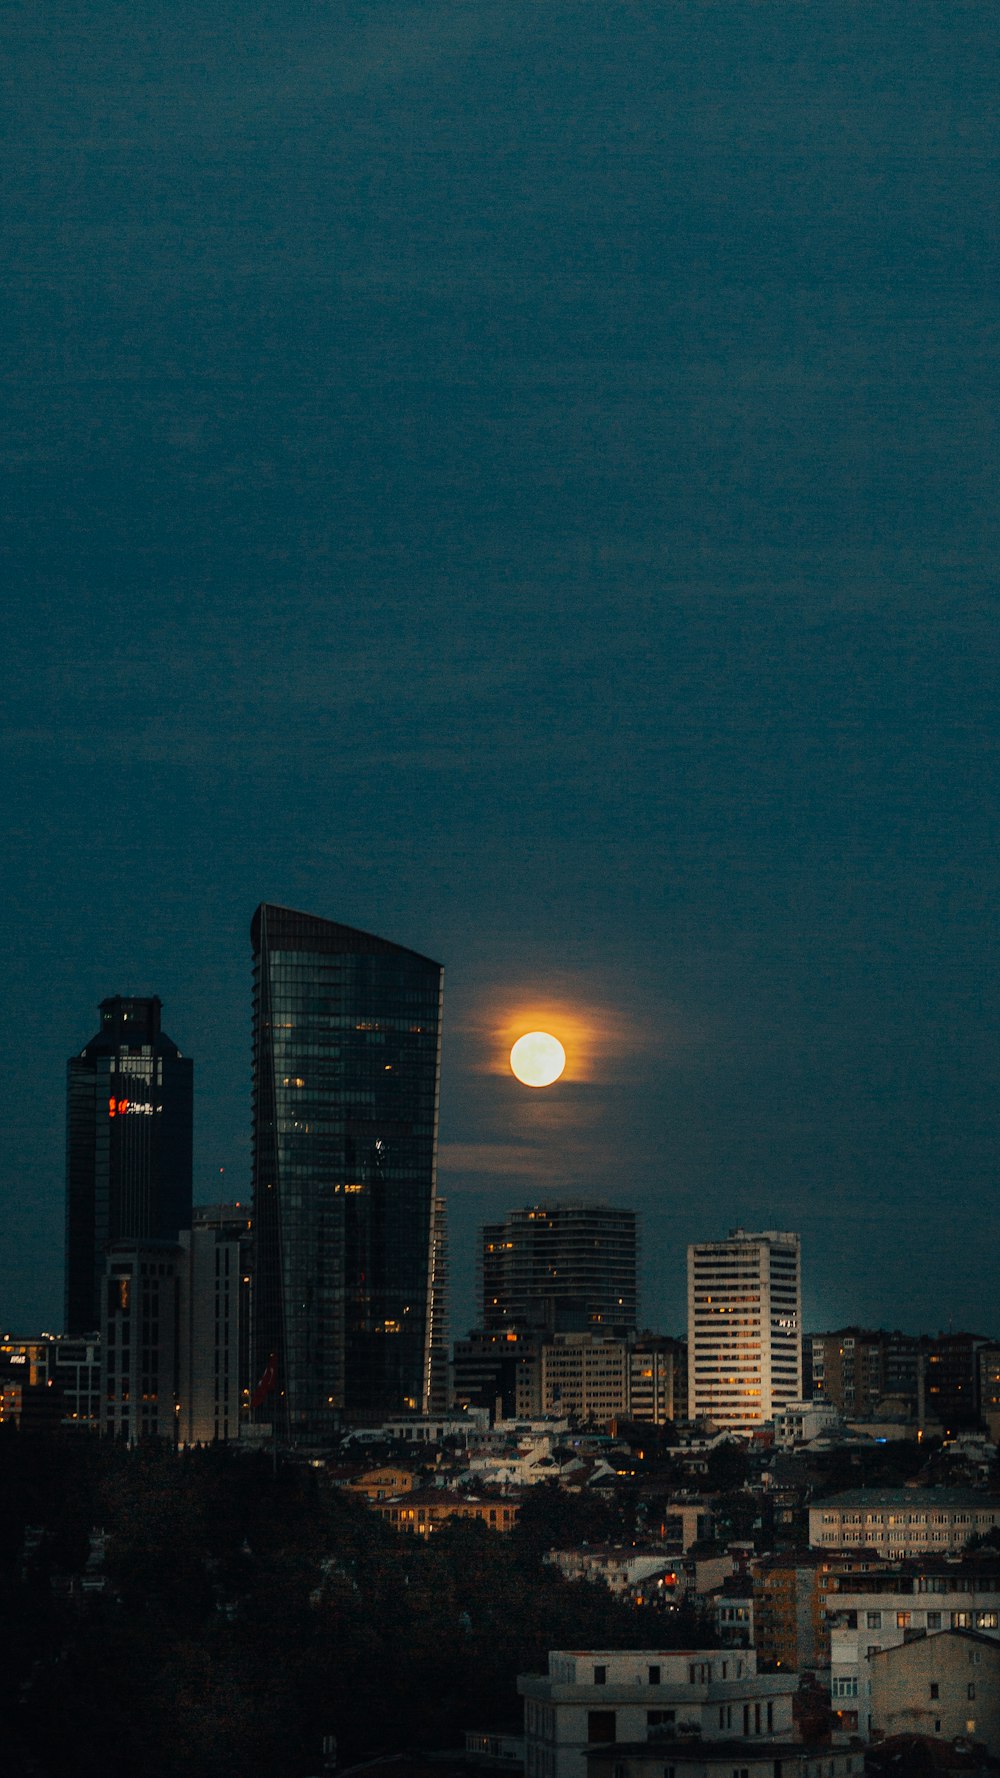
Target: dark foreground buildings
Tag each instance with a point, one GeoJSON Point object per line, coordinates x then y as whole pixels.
{"type": "Point", "coordinates": [128, 1147]}
{"type": "Point", "coordinates": [346, 1047]}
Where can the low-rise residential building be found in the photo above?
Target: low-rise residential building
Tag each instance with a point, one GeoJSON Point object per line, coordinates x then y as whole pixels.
{"type": "Point", "coordinates": [688, 1756]}
{"type": "Point", "coordinates": [423, 1511]}
{"type": "Point", "coordinates": [624, 1571]}
{"type": "Point", "coordinates": [524, 1461]}
{"type": "Point", "coordinates": [384, 1483]}
{"type": "Point", "coordinates": [495, 1747]}
{"type": "Point", "coordinates": [597, 1697]}
{"type": "Point", "coordinates": [800, 1422]}
{"type": "Point", "coordinates": [733, 1606]}
{"type": "Point", "coordinates": [434, 1430]}
{"type": "Point", "coordinates": [889, 1606]}
{"type": "Point", "coordinates": [897, 1522]}
{"type": "Point", "coordinates": [682, 1523]}
{"type": "Point", "coordinates": [945, 1683]}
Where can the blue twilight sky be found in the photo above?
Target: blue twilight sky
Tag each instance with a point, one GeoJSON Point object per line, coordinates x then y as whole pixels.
{"type": "Point", "coordinates": [521, 478]}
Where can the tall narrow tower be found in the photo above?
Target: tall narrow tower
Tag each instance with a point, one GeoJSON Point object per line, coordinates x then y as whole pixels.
{"type": "Point", "coordinates": [128, 1147]}
{"type": "Point", "coordinates": [744, 1327]}
{"type": "Point", "coordinates": [346, 1058]}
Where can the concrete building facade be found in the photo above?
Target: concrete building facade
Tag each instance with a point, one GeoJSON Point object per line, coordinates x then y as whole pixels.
{"type": "Point", "coordinates": [575, 1257]}
{"type": "Point", "coordinates": [869, 1613]}
{"type": "Point", "coordinates": [899, 1522]}
{"type": "Point", "coordinates": [597, 1697]}
{"type": "Point", "coordinates": [215, 1298]}
{"type": "Point", "coordinates": [945, 1684]}
{"type": "Point", "coordinates": [744, 1328]}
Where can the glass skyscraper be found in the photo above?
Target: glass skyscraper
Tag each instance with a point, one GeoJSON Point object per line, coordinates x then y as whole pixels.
{"type": "Point", "coordinates": [128, 1147]}
{"type": "Point", "coordinates": [346, 1061]}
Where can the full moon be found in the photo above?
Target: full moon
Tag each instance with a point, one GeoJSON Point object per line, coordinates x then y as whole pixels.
{"type": "Point", "coordinates": [537, 1059]}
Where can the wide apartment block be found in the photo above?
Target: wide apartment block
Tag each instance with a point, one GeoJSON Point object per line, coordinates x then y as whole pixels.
{"type": "Point", "coordinates": [609, 1377]}
{"type": "Point", "coordinates": [898, 1522]}
{"type": "Point", "coordinates": [600, 1377]}
{"type": "Point", "coordinates": [744, 1321]}
{"type": "Point", "coordinates": [946, 1379]}
{"type": "Point", "coordinates": [598, 1697]}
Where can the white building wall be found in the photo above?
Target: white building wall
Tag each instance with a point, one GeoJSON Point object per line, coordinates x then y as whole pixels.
{"type": "Point", "coordinates": [716, 1691]}
{"type": "Point", "coordinates": [744, 1322]}
{"type": "Point", "coordinates": [864, 1623]}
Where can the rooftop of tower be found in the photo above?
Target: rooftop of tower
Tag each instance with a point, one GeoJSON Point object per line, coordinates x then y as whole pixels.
{"type": "Point", "coordinates": [286, 929]}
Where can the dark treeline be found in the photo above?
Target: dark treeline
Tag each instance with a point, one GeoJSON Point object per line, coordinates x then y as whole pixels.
{"type": "Point", "coordinates": [247, 1614]}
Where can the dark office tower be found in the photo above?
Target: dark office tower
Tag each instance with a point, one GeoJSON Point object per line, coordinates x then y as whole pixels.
{"type": "Point", "coordinates": [560, 1266]}
{"type": "Point", "coordinates": [128, 1147]}
{"type": "Point", "coordinates": [346, 1047]}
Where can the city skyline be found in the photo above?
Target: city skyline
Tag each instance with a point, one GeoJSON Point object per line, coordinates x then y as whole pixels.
{"type": "Point", "coordinates": [522, 479]}
{"type": "Point", "coordinates": [506, 1199]}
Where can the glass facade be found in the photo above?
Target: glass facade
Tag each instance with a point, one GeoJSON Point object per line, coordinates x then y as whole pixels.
{"type": "Point", "coordinates": [128, 1147]}
{"type": "Point", "coordinates": [346, 1056]}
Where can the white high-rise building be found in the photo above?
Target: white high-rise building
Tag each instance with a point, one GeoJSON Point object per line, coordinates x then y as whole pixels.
{"type": "Point", "coordinates": [744, 1327]}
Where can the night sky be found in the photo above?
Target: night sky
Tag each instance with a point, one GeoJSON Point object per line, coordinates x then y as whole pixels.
{"type": "Point", "coordinates": [521, 478]}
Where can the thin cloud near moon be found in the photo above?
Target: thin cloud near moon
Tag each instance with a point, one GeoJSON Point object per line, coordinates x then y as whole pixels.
{"type": "Point", "coordinates": [598, 1039]}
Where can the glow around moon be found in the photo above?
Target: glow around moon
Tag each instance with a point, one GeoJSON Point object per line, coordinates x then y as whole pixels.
{"type": "Point", "coordinates": [537, 1059]}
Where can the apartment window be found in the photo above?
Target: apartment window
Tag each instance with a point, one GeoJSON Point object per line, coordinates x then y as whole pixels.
{"type": "Point", "coordinates": [656, 1718]}
{"type": "Point", "coordinates": [933, 1620]}
{"type": "Point", "coordinates": [935, 1692]}
{"type": "Point", "coordinates": [960, 1620]}
{"type": "Point", "coordinates": [971, 1692]}
{"type": "Point", "coordinates": [619, 1772]}
{"type": "Point", "coordinates": [600, 1676]}
{"type": "Point", "coordinates": [903, 1620]}
{"type": "Point", "coordinates": [600, 1726]}
{"type": "Point", "coordinates": [874, 1620]}
{"type": "Point", "coordinates": [654, 1675]}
